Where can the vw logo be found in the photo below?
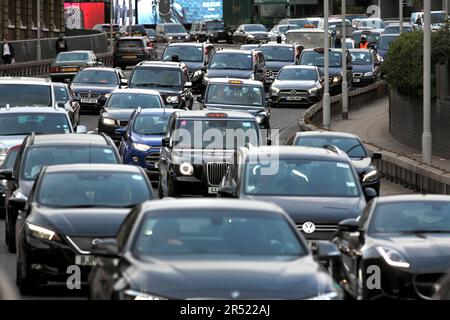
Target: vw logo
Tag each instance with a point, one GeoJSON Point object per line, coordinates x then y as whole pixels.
{"type": "Point", "coordinates": [95, 241]}
{"type": "Point", "coordinates": [235, 294]}
{"type": "Point", "coordinates": [308, 227]}
{"type": "Point", "coordinates": [293, 93]}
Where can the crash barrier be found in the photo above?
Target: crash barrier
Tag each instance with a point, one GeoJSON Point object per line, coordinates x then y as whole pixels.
{"type": "Point", "coordinates": [41, 68]}
{"type": "Point", "coordinates": [26, 50]}
{"type": "Point", "coordinates": [7, 289]}
{"type": "Point", "coordinates": [393, 166]}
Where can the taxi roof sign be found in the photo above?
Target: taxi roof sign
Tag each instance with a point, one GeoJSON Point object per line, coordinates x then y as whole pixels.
{"type": "Point", "coordinates": [235, 82]}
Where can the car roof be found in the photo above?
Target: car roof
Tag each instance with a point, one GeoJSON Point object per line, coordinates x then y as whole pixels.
{"type": "Point", "coordinates": [168, 23]}
{"type": "Point", "coordinates": [413, 197]}
{"type": "Point", "coordinates": [202, 114]}
{"type": "Point", "coordinates": [234, 51]}
{"type": "Point", "coordinates": [136, 91]}
{"type": "Point", "coordinates": [183, 205]}
{"type": "Point", "coordinates": [70, 139]}
{"type": "Point", "coordinates": [27, 110]}
{"type": "Point", "coordinates": [76, 51]}
{"type": "Point", "coordinates": [360, 50]}
{"type": "Point", "coordinates": [331, 50]}
{"type": "Point", "coordinates": [300, 66]}
{"type": "Point", "coordinates": [326, 134]}
{"type": "Point", "coordinates": [25, 80]}
{"type": "Point", "coordinates": [99, 69]}
{"type": "Point", "coordinates": [131, 38]}
{"type": "Point", "coordinates": [298, 152]}
{"type": "Point", "coordinates": [384, 35]}
{"type": "Point", "coordinates": [274, 44]}
{"type": "Point", "coordinates": [161, 64]}
{"type": "Point", "coordinates": [187, 44]}
{"type": "Point", "coordinates": [244, 81]}
{"type": "Point", "coordinates": [93, 167]}
{"type": "Point", "coordinates": [154, 111]}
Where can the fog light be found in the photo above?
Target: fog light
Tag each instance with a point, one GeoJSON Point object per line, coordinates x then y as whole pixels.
{"type": "Point", "coordinates": [186, 169]}
{"type": "Point", "coordinates": [135, 159]}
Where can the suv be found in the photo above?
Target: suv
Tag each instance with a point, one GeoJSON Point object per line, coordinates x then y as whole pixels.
{"type": "Point", "coordinates": [237, 95]}
{"type": "Point", "coordinates": [195, 56]}
{"type": "Point", "coordinates": [137, 30]}
{"type": "Point", "coordinates": [317, 187]}
{"type": "Point", "coordinates": [193, 164]}
{"type": "Point", "coordinates": [171, 32]}
{"type": "Point", "coordinates": [241, 64]}
{"type": "Point", "coordinates": [132, 50]}
{"type": "Point", "coordinates": [44, 150]}
{"type": "Point", "coordinates": [250, 33]}
{"type": "Point", "coordinates": [21, 92]}
{"type": "Point", "coordinates": [170, 79]}
{"type": "Point", "coordinates": [212, 30]}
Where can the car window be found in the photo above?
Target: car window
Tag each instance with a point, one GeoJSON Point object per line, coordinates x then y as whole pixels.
{"type": "Point", "coordinates": [39, 123]}
{"type": "Point", "coordinates": [174, 28]}
{"type": "Point", "coordinates": [385, 42]}
{"type": "Point", "coordinates": [351, 146]}
{"type": "Point", "coordinates": [96, 77]}
{"type": "Point", "coordinates": [185, 53]}
{"type": "Point", "coordinates": [297, 74]}
{"type": "Point", "coordinates": [361, 58]}
{"type": "Point", "coordinates": [235, 95]}
{"type": "Point", "coordinates": [133, 101]}
{"type": "Point", "coordinates": [72, 56]}
{"type": "Point", "coordinates": [61, 94]}
{"type": "Point", "coordinates": [156, 77]}
{"type": "Point", "coordinates": [255, 28]}
{"type": "Point", "coordinates": [151, 124]}
{"type": "Point", "coordinates": [25, 95]}
{"type": "Point", "coordinates": [313, 58]}
{"type": "Point", "coordinates": [136, 43]}
{"type": "Point", "coordinates": [10, 159]}
{"type": "Point", "coordinates": [231, 61]}
{"type": "Point", "coordinates": [278, 53]}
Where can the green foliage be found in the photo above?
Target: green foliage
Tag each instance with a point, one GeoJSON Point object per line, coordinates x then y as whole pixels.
{"type": "Point", "coordinates": [403, 65]}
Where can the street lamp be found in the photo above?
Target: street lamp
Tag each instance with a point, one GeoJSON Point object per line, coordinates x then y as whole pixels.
{"type": "Point", "coordinates": [111, 13]}
{"type": "Point", "coordinates": [400, 12]}
{"type": "Point", "coordinates": [130, 14]}
{"type": "Point", "coordinates": [326, 44]}
{"type": "Point", "coordinates": [426, 136]}
{"type": "Point", "coordinates": [38, 33]}
{"type": "Point", "coordinates": [344, 62]}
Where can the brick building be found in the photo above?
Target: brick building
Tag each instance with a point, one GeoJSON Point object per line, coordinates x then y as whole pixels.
{"type": "Point", "coordinates": [18, 18]}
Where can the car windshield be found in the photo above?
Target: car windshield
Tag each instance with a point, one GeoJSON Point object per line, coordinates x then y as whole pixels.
{"type": "Point", "coordinates": [374, 24]}
{"type": "Point", "coordinates": [96, 77]}
{"type": "Point", "coordinates": [156, 77]}
{"type": "Point", "coordinates": [278, 53]}
{"type": "Point", "coordinates": [216, 134]}
{"type": "Point", "coordinates": [25, 95]}
{"type": "Point", "coordinates": [298, 74]}
{"type": "Point", "coordinates": [361, 58]}
{"type": "Point", "coordinates": [216, 232]}
{"type": "Point", "coordinates": [185, 53]}
{"type": "Point", "coordinates": [438, 17]}
{"type": "Point", "coordinates": [351, 146]}
{"type": "Point", "coordinates": [235, 95]}
{"type": "Point", "coordinates": [38, 157]}
{"type": "Point", "coordinates": [130, 43]}
{"type": "Point", "coordinates": [313, 58]}
{"type": "Point", "coordinates": [296, 177]}
{"type": "Point", "coordinates": [308, 40]}
{"type": "Point", "coordinates": [215, 26]}
{"type": "Point", "coordinates": [232, 61]}
{"type": "Point", "coordinates": [138, 29]}
{"type": "Point", "coordinates": [61, 94]}
{"type": "Point", "coordinates": [174, 28]}
{"type": "Point", "coordinates": [151, 32]}
{"type": "Point", "coordinates": [40, 123]}
{"type": "Point", "coordinates": [255, 28]}
{"type": "Point", "coordinates": [411, 217]}
{"type": "Point", "coordinates": [72, 57]}
{"type": "Point", "coordinates": [151, 124]}
{"type": "Point", "coordinates": [10, 159]}
{"type": "Point", "coordinates": [385, 42]}
{"type": "Point", "coordinates": [97, 189]}
{"type": "Point", "coordinates": [133, 101]}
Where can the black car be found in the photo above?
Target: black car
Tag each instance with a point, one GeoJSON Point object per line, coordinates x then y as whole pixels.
{"type": "Point", "coordinates": [65, 98]}
{"type": "Point", "coordinates": [171, 32]}
{"type": "Point", "coordinates": [237, 64]}
{"type": "Point", "coordinates": [209, 30]}
{"type": "Point", "coordinates": [404, 241]}
{"type": "Point", "coordinates": [198, 147]}
{"type": "Point", "coordinates": [7, 164]}
{"type": "Point", "coordinates": [316, 57]}
{"type": "Point", "coordinates": [38, 151]}
{"type": "Point", "coordinates": [170, 79]}
{"type": "Point", "coordinates": [92, 86]}
{"type": "Point", "coordinates": [250, 33]}
{"type": "Point", "coordinates": [67, 64]}
{"type": "Point", "coordinates": [195, 56]}
{"type": "Point", "coordinates": [70, 208]}
{"type": "Point", "coordinates": [136, 30]}
{"type": "Point", "coordinates": [277, 56]}
{"type": "Point", "coordinates": [366, 67]}
{"type": "Point", "coordinates": [317, 187]}
{"type": "Point", "coordinates": [129, 51]}
{"type": "Point", "coordinates": [210, 249]}
{"type": "Point", "coordinates": [297, 85]}
{"type": "Point", "coordinates": [349, 143]}
{"type": "Point", "coordinates": [237, 95]}
{"type": "Point", "coordinates": [121, 104]}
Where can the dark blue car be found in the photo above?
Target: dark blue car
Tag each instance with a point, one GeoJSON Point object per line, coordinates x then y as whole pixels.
{"type": "Point", "coordinates": [141, 139]}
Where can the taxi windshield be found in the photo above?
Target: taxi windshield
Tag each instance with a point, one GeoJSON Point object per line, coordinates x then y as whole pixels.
{"type": "Point", "coordinates": [235, 95]}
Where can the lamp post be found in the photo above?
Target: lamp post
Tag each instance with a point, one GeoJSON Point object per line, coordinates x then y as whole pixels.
{"type": "Point", "coordinates": [38, 35]}
{"type": "Point", "coordinates": [130, 14]}
{"type": "Point", "coordinates": [400, 11]}
{"type": "Point", "coordinates": [426, 136]}
{"type": "Point", "coordinates": [326, 44]}
{"type": "Point", "coordinates": [344, 62]}
{"type": "Point", "coordinates": [111, 13]}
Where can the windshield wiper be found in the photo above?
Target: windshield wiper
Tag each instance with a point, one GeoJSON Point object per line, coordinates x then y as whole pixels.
{"type": "Point", "coordinates": [84, 206]}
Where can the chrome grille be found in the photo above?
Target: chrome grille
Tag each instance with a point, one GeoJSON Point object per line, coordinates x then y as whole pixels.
{"type": "Point", "coordinates": [89, 95]}
{"type": "Point", "coordinates": [152, 158]}
{"type": "Point", "coordinates": [215, 172]}
{"type": "Point", "coordinates": [297, 92]}
{"type": "Point", "coordinates": [423, 283]}
{"type": "Point", "coordinates": [123, 123]}
{"type": "Point", "coordinates": [321, 227]}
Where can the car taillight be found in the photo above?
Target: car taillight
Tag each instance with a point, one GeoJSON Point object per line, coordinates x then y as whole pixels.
{"type": "Point", "coordinates": [54, 69]}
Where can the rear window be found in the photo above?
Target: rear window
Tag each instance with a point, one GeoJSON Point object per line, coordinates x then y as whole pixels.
{"type": "Point", "coordinates": [130, 44]}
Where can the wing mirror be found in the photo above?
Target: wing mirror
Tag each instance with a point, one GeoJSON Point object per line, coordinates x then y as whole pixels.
{"type": "Point", "coordinates": [6, 175]}
{"type": "Point", "coordinates": [121, 131]}
{"type": "Point", "coordinates": [82, 129]}
{"type": "Point", "coordinates": [370, 193]}
{"type": "Point", "coordinates": [327, 251]}
{"type": "Point", "coordinates": [17, 203]}
{"type": "Point", "coordinates": [167, 142]}
{"type": "Point", "coordinates": [105, 248]}
{"type": "Point", "coordinates": [348, 225]}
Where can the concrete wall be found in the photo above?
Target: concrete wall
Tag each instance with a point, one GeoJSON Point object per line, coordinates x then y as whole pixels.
{"type": "Point", "coordinates": [406, 123]}
{"type": "Point", "coordinates": [26, 50]}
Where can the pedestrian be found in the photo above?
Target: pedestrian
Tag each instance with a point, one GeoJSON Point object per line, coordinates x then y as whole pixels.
{"type": "Point", "coordinates": [61, 44]}
{"type": "Point", "coordinates": [7, 51]}
{"type": "Point", "coordinates": [363, 44]}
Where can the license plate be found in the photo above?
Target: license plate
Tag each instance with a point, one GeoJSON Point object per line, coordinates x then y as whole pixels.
{"type": "Point", "coordinates": [69, 70]}
{"type": "Point", "coordinates": [129, 57]}
{"type": "Point", "coordinates": [294, 98]}
{"type": "Point", "coordinates": [213, 189]}
{"type": "Point", "coordinates": [89, 100]}
{"type": "Point", "coordinates": [85, 260]}
{"type": "Point", "coordinates": [356, 80]}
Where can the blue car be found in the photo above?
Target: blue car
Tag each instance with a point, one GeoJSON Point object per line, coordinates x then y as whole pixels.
{"type": "Point", "coordinates": [141, 139]}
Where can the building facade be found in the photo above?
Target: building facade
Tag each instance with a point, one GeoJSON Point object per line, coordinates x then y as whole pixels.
{"type": "Point", "coordinates": [18, 18]}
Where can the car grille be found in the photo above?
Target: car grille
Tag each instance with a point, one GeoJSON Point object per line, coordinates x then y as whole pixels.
{"type": "Point", "coordinates": [321, 227]}
{"type": "Point", "coordinates": [82, 243]}
{"type": "Point", "coordinates": [123, 123]}
{"type": "Point", "coordinates": [423, 283]}
{"type": "Point", "coordinates": [294, 92]}
{"type": "Point", "coordinates": [215, 172]}
{"type": "Point", "coordinates": [152, 158]}
{"type": "Point", "coordinates": [89, 95]}
{"type": "Point", "coordinates": [357, 75]}
{"type": "Point", "coordinates": [271, 74]}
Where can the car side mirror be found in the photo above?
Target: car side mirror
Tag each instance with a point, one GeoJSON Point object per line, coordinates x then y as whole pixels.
{"type": "Point", "coordinates": [226, 192]}
{"type": "Point", "coordinates": [105, 248]}
{"type": "Point", "coordinates": [6, 174]}
{"type": "Point", "coordinates": [376, 156]}
{"type": "Point", "coordinates": [349, 225]}
{"type": "Point", "coordinates": [61, 105]}
{"type": "Point", "coordinates": [82, 129]}
{"type": "Point", "coordinates": [123, 82]}
{"type": "Point", "coordinates": [17, 203]}
{"type": "Point", "coordinates": [327, 251]}
{"type": "Point", "coordinates": [200, 99]}
{"type": "Point", "coordinates": [121, 131]}
{"type": "Point", "coordinates": [369, 194]}
{"type": "Point", "coordinates": [166, 142]}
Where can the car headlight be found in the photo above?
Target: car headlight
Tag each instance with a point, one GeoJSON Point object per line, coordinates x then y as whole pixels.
{"type": "Point", "coordinates": [108, 121]}
{"type": "Point", "coordinates": [274, 91]}
{"type": "Point", "coordinates": [186, 37]}
{"type": "Point", "coordinates": [170, 38]}
{"type": "Point", "coordinates": [41, 233]}
{"type": "Point", "coordinates": [370, 176]}
{"type": "Point", "coordinates": [313, 90]}
{"type": "Point", "coordinates": [368, 74]}
{"type": "Point", "coordinates": [250, 36]}
{"type": "Point", "coordinates": [137, 295]}
{"type": "Point", "coordinates": [326, 296]}
{"type": "Point", "coordinates": [198, 73]}
{"type": "Point", "coordinates": [393, 257]}
{"type": "Point", "coordinates": [186, 169]}
{"type": "Point", "coordinates": [141, 146]}
{"type": "Point", "coordinates": [337, 79]}
{"type": "Point", "coordinates": [107, 95]}
{"type": "Point", "coordinates": [172, 99]}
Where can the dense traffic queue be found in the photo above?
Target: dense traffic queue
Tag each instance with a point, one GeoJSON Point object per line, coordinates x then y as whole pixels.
{"type": "Point", "coordinates": [303, 221]}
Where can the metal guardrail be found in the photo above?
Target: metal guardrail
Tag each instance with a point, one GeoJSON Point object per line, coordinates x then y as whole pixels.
{"type": "Point", "coordinates": [40, 68]}
{"type": "Point", "coordinates": [393, 166]}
